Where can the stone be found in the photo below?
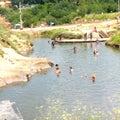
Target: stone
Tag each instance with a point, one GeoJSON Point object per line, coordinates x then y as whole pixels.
{"type": "Point", "coordinates": [2, 83]}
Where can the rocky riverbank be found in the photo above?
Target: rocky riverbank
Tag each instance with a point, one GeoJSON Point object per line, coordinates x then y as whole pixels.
{"type": "Point", "coordinates": [17, 68]}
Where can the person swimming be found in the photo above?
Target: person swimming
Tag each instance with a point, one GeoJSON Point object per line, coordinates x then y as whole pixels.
{"type": "Point", "coordinates": [75, 49]}
{"type": "Point", "coordinates": [95, 52]}
{"type": "Point", "coordinates": [93, 77]}
{"type": "Point", "coordinates": [53, 43]}
{"type": "Point", "coordinates": [57, 69]}
{"type": "Point", "coordinates": [70, 70]}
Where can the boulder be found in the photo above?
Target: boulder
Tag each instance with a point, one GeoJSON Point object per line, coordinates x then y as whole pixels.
{"type": "Point", "coordinates": [2, 83]}
{"type": "Point", "coordinates": [17, 68]}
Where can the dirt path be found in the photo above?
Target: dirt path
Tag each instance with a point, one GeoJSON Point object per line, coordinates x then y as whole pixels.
{"type": "Point", "coordinates": [105, 25]}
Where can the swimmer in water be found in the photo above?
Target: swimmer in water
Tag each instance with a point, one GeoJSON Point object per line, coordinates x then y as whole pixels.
{"type": "Point", "coordinates": [75, 49]}
{"type": "Point", "coordinates": [93, 77]}
{"type": "Point", "coordinates": [96, 52]}
{"type": "Point", "coordinates": [57, 69]}
{"type": "Point", "coordinates": [70, 70]}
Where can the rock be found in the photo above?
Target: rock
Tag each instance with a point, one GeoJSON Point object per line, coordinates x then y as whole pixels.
{"type": "Point", "coordinates": [17, 68]}
{"type": "Point", "coordinates": [2, 83]}
{"type": "Point", "coordinates": [14, 79]}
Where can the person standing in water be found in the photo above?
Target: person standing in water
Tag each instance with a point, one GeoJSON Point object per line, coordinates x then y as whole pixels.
{"type": "Point", "coordinates": [95, 52]}
{"type": "Point", "coordinates": [91, 36]}
{"type": "Point", "coordinates": [93, 77]}
{"type": "Point", "coordinates": [75, 49]}
{"type": "Point", "coordinates": [57, 69]}
{"type": "Point", "coordinates": [70, 70]}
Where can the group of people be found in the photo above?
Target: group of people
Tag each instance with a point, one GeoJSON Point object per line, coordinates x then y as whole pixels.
{"type": "Point", "coordinates": [58, 71]}
{"type": "Point", "coordinates": [95, 52]}
{"type": "Point", "coordinates": [57, 67]}
{"type": "Point", "coordinates": [86, 35]}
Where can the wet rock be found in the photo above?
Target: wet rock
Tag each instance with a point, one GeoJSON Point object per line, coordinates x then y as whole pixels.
{"type": "Point", "coordinates": [2, 83]}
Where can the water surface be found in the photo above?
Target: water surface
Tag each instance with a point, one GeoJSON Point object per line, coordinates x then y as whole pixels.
{"type": "Point", "coordinates": [70, 89]}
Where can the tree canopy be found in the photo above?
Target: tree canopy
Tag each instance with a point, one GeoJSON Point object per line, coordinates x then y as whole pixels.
{"type": "Point", "coordinates": [60, 11]}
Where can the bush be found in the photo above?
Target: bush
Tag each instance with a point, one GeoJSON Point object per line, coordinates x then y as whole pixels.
{"type": "Point", "coordinates": [72, 36]}
{"type": "Point", "coordinates": [52, 33]}
{"type": "Point", "coordinates": [116, 39]}
{"type": "Point", "coordinates": [3, 11]}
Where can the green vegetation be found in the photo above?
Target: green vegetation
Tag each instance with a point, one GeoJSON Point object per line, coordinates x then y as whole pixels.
{"type": "Point", "coordinates": [53, 33]}
{"type": "Point", "coordinates": [18, 41]}
{"type": "Point", "coordinates": [69, 35]}
{"type": "Point", "coordinates": [59, 11]}
{"type": "Point", "coordinates": [102, 16]}
{"type": "Point", "coordinates": [63, 32]}
{"type": "Point", "coordinates": [115, 40]}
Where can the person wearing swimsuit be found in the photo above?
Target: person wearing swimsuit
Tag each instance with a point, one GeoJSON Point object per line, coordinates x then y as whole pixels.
{"type": "Point", "coordinates": [57, 69]}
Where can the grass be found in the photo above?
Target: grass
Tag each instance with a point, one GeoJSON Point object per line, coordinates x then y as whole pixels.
{"type": "Point", "coordinates": [52, 33]}
{"type": "Point", "coordinates": [116, 37]}
{"type": "Point", "coordinates": [102, 16]}
{"type": "Point", "coordinates": [18, 42]}
{"type": "Point", "coordinates": [65, 34]}
{"type": "Point", "coordinates": [115, 40]}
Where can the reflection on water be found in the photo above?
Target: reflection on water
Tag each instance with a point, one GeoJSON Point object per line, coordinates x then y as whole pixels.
{"type": "Point", "coordinates": [70, 88]}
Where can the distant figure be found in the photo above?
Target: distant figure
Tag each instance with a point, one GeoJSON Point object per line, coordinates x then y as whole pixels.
{"type": "Point", "coordinates": [85, 36]}
{"type": "Point", "coordinates": [84, 76]}
{"type": "Point", "coordinates": [75, 49]}
{"type": "Point", "coordinates": [108, 26]}
{"type": "Point", "coordinates": [53, 43]}
{"type": "Point", "coordinates": [31, 26]}
{"type": "Point", "coordinates": [56, 39]}
{"type": "Point", "coordinates": [60, 36]}
{"type": "Point", "coordinates": [93, 77]}
{"type": "Point", "coordinates": [91, 36]}
{"type": "Point", "coordinates": [57, 69]}
{"type": "Point", "coordinates": [70, 70]}
{"type": "Point", "coordinates": [28, 77]}
{"type": "Point", "coordinates": [117, 18]}
{"type": "Point", "coordinates": [95, 29]}
{"type": "Point", "coordinates": [97, 40]}
{"type": "Point", "coordinates": [95, 52]}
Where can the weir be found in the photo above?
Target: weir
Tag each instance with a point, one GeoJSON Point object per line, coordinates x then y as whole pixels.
{"type": "Point", "coordinates": [9, 111]}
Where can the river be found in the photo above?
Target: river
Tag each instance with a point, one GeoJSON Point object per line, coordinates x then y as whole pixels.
{"type": "Point", "coordinates": [47, 95]}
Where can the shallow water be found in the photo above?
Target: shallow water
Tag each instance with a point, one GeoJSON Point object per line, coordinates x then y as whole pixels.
{"type": "Point", "coordinates": [70, 89]}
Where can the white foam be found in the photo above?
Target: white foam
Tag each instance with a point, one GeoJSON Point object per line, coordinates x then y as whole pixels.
{"type": "Point", "coordinates": [9, 111]}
